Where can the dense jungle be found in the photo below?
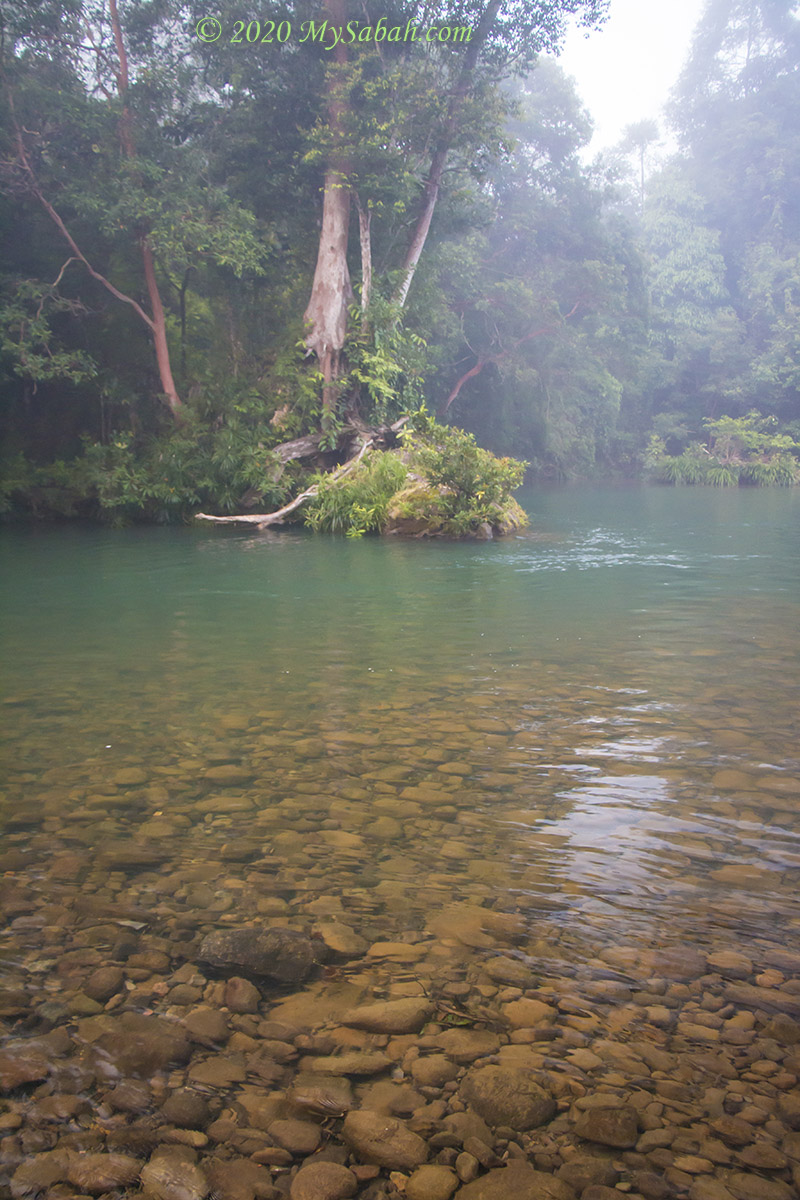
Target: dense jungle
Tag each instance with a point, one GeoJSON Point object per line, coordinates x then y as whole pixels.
{"type": "Point", "coordinates": [213, 248]}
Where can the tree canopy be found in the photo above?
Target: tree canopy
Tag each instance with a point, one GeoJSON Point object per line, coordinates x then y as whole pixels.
{"type": "Point", "coordinates": [212, 247]}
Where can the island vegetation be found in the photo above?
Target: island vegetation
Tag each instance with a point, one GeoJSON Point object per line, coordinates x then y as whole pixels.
{"type": "Point", "coordinates": [232, 266]}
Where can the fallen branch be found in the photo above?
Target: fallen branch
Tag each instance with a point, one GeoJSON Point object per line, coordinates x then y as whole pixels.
{"type": "Point", "coordinates": [263, 520]}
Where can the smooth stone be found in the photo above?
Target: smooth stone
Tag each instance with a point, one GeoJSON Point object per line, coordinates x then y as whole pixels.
{"type": "Point", "coordinates": [130, 1095]}
{"type": "Point", "coordinates": [19, 1066]}
{"type": "Point", "coordinates": [219, 1071]}
{"type": "Point", "coordinates": [517, 1181]}
{"type": "Point", "coordinates": [104, 983]}
{"type": "Point", "coordinates": [130, 776]}
{"type": "Point", "coordinates": [171, 1179]}
{"type": "Point", "coordinates": [770, 999]}
{"type": "Point", "coordinates": [390, 1016]}
{"type": "Point", "coordinates": [754, 1187]}
{"type": "Point", "coordinates": [507, 1096]}
{"type": "Point", "coordinates": [431, 1183]}
{"type": "Point", "coordinates": [467, 1124]}
{"type": "Point", "coordinates": [730, 964]}
{"type": "Point", "coordinates": [240, 1179]}
{"type": "Point", "coordinates": [789, 1109]}
{"type": "Point", "coordinates": [617, 1127]}
{"type": "Point", "coordinates": [298, 1137]}
{"type": "Point", "coordinates": [340, 939]}
{"type": "Point", "coordinates": [102, 1172]}
{"type": "Point", "coordinates": [527, 1014]}
{"type": "Point", "coordinates": [383, 1140]}
{"type": "Point", "coordinates": [40, 1173]}
{"type": "Point", "coordinates": [508, 970]}
{"type": "Point", "coordinates": [225, 773]}
{"type": "Point", "coordinates": [355, 1062]}
{"type": "Point", "coordinates": [241, 996]}
{"type": "Point", "coordinates": [143, 1045]}
{"type": "Point", "coordinates": [581, 1173]}
{"type": "Point", "coordinates": [326, 1094]}
{"type": "Point", "coordinates": [466, 1045]}
{"type": "Point", "coordinates": [276, 952]}
{"type": "Point", "coordinates": [323, 1181]}
{"type": "Point", "coordinates": [187, 1109]}
{"type": "Point", "coordinates": [433, 1070]}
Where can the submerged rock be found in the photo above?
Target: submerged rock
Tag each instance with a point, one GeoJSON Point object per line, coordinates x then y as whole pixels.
{"type": "Point", "coordinates": [507, 1096]}
{"type": "Point", "coordinates": [385, 1141]}
{"type": "Point", "coordinates": [275, 952]}
{"type": "Point", "coordinates": [97, 1173]}
{"type": "Point", "coordinates": [617, 1127]}
{"type": "Point", "coordinates": [323, 1181]}
{"type": "Point", "coordinates": [169, 1179]}
{"type": "Point", "coordinates": [517, 1181]}
{"type": "Point", "coordinates": [391, 1016]}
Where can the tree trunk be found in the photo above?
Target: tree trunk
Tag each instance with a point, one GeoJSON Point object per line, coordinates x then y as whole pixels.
{"type": "Point", "coordinates": [364, 222]}
{"type": "Point", "coordinates": [433, 184]}
{"type": "Point", "coordinates": [160, 331]}
{"type": "Point", "coordinates": [158, 325]}
{"type": "Point", "coordinates": [331, 290]}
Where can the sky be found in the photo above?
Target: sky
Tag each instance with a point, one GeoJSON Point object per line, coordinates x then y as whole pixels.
{"type": "Point", "coordinates": [625, 70]}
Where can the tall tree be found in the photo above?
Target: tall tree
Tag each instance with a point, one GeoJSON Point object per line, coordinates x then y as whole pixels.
{"type": "Point", "coordinates": [93, 141]}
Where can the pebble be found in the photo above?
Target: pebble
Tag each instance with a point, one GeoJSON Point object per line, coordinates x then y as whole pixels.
{"type": "Point", "coordinates": [617, 1127]}
{"type": "Point", "coordinates": [381, 1025]}
{"type": "Point", "coordinates": [391, 1016]}
{"type": "Point", "coordinates": [274, 952]}
{"type": "Point", "coordinates": [323, 1181]}
{"type": "Point", "coordinates": [507, 1096]}
{"type": "Point", "coordinates": [431, 1183]}
{"type": "Point", "coordinates": [385, 1141]}
{"type": "Point", "coordinates": [170, 1179]}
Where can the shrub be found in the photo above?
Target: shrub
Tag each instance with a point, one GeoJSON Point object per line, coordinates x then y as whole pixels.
{"type": "Point", "coordinates": [357, 503]}
{"type": "Point", "coordinates": [473, 483]}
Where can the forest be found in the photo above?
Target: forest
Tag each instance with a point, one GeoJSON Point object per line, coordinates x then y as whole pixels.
{"type": "Point", "coordinates": [222, 235]}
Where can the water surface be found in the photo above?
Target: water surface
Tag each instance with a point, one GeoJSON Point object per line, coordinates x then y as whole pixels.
{"type": "Point", "coordinates": [604, 708]}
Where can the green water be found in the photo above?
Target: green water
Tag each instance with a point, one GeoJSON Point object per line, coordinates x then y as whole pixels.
{"type": "Point", "coordinates": [605, 706]}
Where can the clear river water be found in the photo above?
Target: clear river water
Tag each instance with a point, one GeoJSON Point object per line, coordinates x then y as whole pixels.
{"type": "Point", "coordinates": [575, 750]}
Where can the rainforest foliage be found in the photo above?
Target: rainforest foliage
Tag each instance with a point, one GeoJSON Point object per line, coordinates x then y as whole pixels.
{"type": "Point", "coordinates": [212, 247]}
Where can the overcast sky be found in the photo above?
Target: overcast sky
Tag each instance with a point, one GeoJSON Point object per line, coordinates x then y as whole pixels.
{"type": "Point", "coordinates": [625, 71]}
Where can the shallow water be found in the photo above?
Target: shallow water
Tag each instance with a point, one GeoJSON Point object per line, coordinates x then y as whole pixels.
{"type": "Point", "coordinates": [592, 726]}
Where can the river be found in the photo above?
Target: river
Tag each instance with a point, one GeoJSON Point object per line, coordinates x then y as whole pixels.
{"type": "Point", "coordinates": [573, 750]}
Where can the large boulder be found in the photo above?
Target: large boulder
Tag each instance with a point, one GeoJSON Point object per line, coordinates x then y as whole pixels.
{"type": "Point", "coordinates": [272, 952]}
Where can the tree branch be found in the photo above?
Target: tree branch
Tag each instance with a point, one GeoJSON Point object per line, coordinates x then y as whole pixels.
{"type": "Point", "coordinates": [494, 358]}
{"type": "Point", "coordinates": [65, 233]}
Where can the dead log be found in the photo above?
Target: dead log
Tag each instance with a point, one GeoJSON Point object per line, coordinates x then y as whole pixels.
{"type": "Point", "coordinates": [264, 520]}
